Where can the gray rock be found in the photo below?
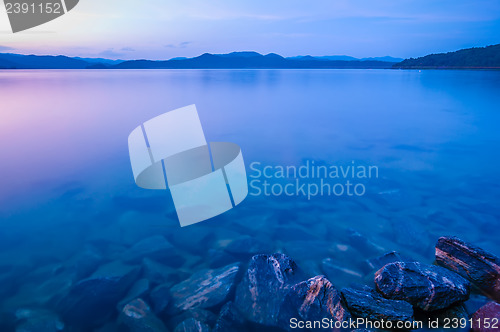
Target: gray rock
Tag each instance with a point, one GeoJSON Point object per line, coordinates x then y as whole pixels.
{"type": "Point", "coordinates": [370, 305]}
{"type": "Point", "coordinates": [312, 300]}
{"type": "Point", "coordinates": [192, 325]}
{"type": "Point", "coordinates": [154, 247]}
{"type": "Point", "coordinates": [90, 301]}
{"type": "Point", "coordinates": [427, 287]}
{"type": "Point", "coordinates": [137, 317]}
{"type": "Point", "coordinates": [477, 265]}
{"type": "Point", "coordinates": [260, 294]}
{"type": "Point", "coordinates": [205, 289]}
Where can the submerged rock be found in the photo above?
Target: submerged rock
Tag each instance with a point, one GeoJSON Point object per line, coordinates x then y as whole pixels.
{"type": "Point", "coordinates": [479, 266]}
{"type": "Point", "coordinates": [138, 290]}
{"type": "Point", "coordinates": [260, 294]}
{"type": "Point", "coordinates": [370, 305]}
{"type": "Point", "coordinates": [137, 316]}
{"type": "Point", "coordinates": [192, 325]}
{"type": "Point", "coordinates": [312, 300]}
{"type": "Point", "coordinates": [160, 298]}
{"type": "Point", "coordinates": [205, 289]}
{"type": "Point", "coordinates": [90, 301]}
{"type": "Point", "coordinates": [154, 247]}
{"type": "Point", "coordinates": [378, 262]}
{"type": "Point", "coordinates": [247, 246]}
{"type": "Point", "coordinates": [206, 317]}
{"type": "Point", "coordinates": [427, 287]}
{"type": "Point", "coordinates": [229, 319]}
{"type": "Point", "coordinates": [158, 273]}
{"type": "Point", "coordinates": [338, 274]}
{"type": "Point", "coordinates": [487, 318]}
{"type": "Point", "coordinates": [445, 318]}
{"type": "Point", "coordinates": [38, 320]}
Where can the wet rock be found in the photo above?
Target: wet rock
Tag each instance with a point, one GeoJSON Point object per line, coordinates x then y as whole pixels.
{"type": "Point", "coordinates": [378, 262]}
{"type": "Point", "coordinates": [160, 298]}
{"type": "Point", "coordinates": [192, 325]}
{"type": "Point", "coordinates": [247, 246]}
{"type": "Point", "coordinates": [138, 290]}
{"type": "Point", "coordinates": [205, 289]}
{"type": "Point", "coordinates": [204, 316]}
{"type": "Point", "coordinates": [370, 305]}
{"type": "Point", "coordinates": [90, 301]}
{"type": "Point", "coordinates": [195, 239]}
{"type": "Point", "coordinates": [260, 294]}
{"type": "Point", "coordinates": [312, 300]}
{"type": "Point", "coordinates": [338, 274]}
{"type": "Point", "coordinates": [158, 273]}
{"type": "Point", "coordinates": [137, 317]}
{"type": "Point", "coordinates": [154, 247]}
{"type": "Point", "coordinates": [363, 244]}
{"type": "Point", "coordinates": [38, 320]}
{"type": "Point", "coordinates": [217, 258]}
{"type": "Point", "coordinates": [446, 317]}
{"type": "Point", "coordinates": [475, 302]}
{"type": "Point", "coordinates": [487, 313]}
{"type": "Point", "coordinates": [477, 265]}
{"type": "Point", "coordinates": [85, 262]}
{"type": "Point", "coordinates": [229, 319]}
{"type": "Point", "coordinates": [427, 287]}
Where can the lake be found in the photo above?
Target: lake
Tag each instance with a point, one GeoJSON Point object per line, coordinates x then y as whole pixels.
{"type": "Point", "coordinates": [67, 183]}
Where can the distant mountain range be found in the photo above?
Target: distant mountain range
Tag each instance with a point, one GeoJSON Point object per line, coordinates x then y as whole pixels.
{"type": "Point", "coordinates": [234, 60]}
{"type": "Point", "coordinates": [472, 58]}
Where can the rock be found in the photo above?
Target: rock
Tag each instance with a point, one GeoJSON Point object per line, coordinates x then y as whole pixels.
{"type": "Point", "coordinates": [260, 294]}
{"type": "Point", "coordinates": [216, 258]}
{"type": "Point", "coordinates": [488, 313]}
{"type": "Point", "coordinates": [378, 262]}
{"type": "Point", "coordinates": [446, 318]}
{"type": "Point", "coordinates": [138, 290]}
{"type": "Point", "coordinates": [154, 247]}
{"type": "Point", "coordinates": [90, 301]}
{"type": "Point", "coordinates": [205, 289]}
{"type": "Point", "coordinates": [312, 300]}
{"type": "Point", "coordinates": [158, 273]}
{"type": "Point", "coordinates": [475, 302]}
{"type": "Point", "coordinates": [192, 325]}
{"type": "Point", "coordinates": [137, 316]}
{"type": "Point", "coordinates": [160, 298]}
{"type": "Point", "coordinates": [477, 265]}
{"type": "Point", "coordinates": [229, 319]}
{"type": "Point", "coordinates": [340, 275]}
{"type": "Point", "coordinates": [38, 320]}
{"type": "Point", "coordinates": [363, 244]}
{"type": "Point", "coordinates": [84, 263]}
{"type": "Point", "coordinates": [204, 316]}
{"type": "Point", "coordinates": [427, 287]}
{"type": "Point", "coordinates": [370, 305]}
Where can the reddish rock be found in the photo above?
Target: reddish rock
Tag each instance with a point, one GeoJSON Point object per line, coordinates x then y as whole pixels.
{"type": "Point", "coordinates": [427, 287]}
{"type": "Point", "coordinates": [487, 318]}
{"type": "Point", "coordinates": [479, 266]}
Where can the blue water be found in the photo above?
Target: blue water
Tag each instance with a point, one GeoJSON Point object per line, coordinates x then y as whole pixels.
{"type": "Point", "coordinates": [66, 181]}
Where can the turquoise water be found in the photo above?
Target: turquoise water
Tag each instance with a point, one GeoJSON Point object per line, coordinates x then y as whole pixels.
{"type": "Point", "coordinates": [66, 179]}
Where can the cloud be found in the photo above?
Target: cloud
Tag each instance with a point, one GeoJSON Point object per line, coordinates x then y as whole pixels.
{"type": "Point", "coordinates": [5, 48]}
{"type": "Point", "coordinates": [127, 49]}
{"type": "Point", "coordinates": [110, 53]}
{"type": "Point", "coordinates": [180, 45]}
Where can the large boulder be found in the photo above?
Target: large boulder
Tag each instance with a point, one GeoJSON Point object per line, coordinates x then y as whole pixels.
{"type": "Point", "coordinates": [137, 317]}
{"type": "Point", "coordinates": [427, 287]}
{"type": "Point", "coordinates": [312, 300]}
{"type": "Point", "coordinates": [205, 289]}
{"type": "Point", "coordinates": [479, 266]}
{"type": "Point", "coordinates": [487, 318]}
{"type": "Point", "coordinates": [91, 301]}
{"type": "Point", "coordinates": [370, 305]}
{"type": "Point", "coordinates": [260, 294]}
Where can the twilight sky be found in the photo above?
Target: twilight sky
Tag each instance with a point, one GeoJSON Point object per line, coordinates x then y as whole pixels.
{"type": "Point", "coordinates": [162, 29]}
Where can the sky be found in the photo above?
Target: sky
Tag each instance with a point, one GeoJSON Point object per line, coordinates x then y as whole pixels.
{"type": "Point", "coordinates": [163, 29]}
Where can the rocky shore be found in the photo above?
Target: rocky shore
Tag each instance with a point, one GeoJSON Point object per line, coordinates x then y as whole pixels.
{"type": "Point", "coordinates": [247, 289]}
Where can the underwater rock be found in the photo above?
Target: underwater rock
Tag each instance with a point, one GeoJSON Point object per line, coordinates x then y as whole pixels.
{"type": "Point", "coordinates": [338, 274]}
{"type": "Point", "coordinates": [477, 265]}
{"type": "Point", "coordinates": [160, 298]}
{"type": "Point", "coordinates": [370, 305]}
{"type": "Point", "coordinates": [204, 289]}
{"type": "Point", "coordinates": [201, 315]}
{"type": "Point", "coordinates": [378, 262]}
{"type": "Point", "coordinates": [427, 287]}
{"type": "Point", "coordinates": [312, 300]}
{"type": "Point", "coordinates": [84, 263]}
{"type": "Point", "coordinates": [363, 244]}
{"type": "Point", "coordinates": [216, 258]}
{"type": "Point", "coordinates": [138, 290]}
{"type": "Point", "coordinates": [489, 313]}
{"type": "Point", "coordinates": [158, 273]}
{"type": "Point", "coordinates": [446, 317]}
{"type": "Point", "coordinates": [260, 294]}
{"type": "Point", "coordinates": [154, 247]}
{"type": "Point", "coordinates": [137, 316]}
{"type": "Point", "coordinates": [38, 320]}
{"type": "Point", "coordinates": [192, 325]}
{"type": "Point", "coordinates": [247, 246]}
{"type": "Point", "coordinates": [475, 302]}
{"type": "Point", "coordinates": [90, 301]}
{"type": "Point", "coordinates": [229, 319]}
